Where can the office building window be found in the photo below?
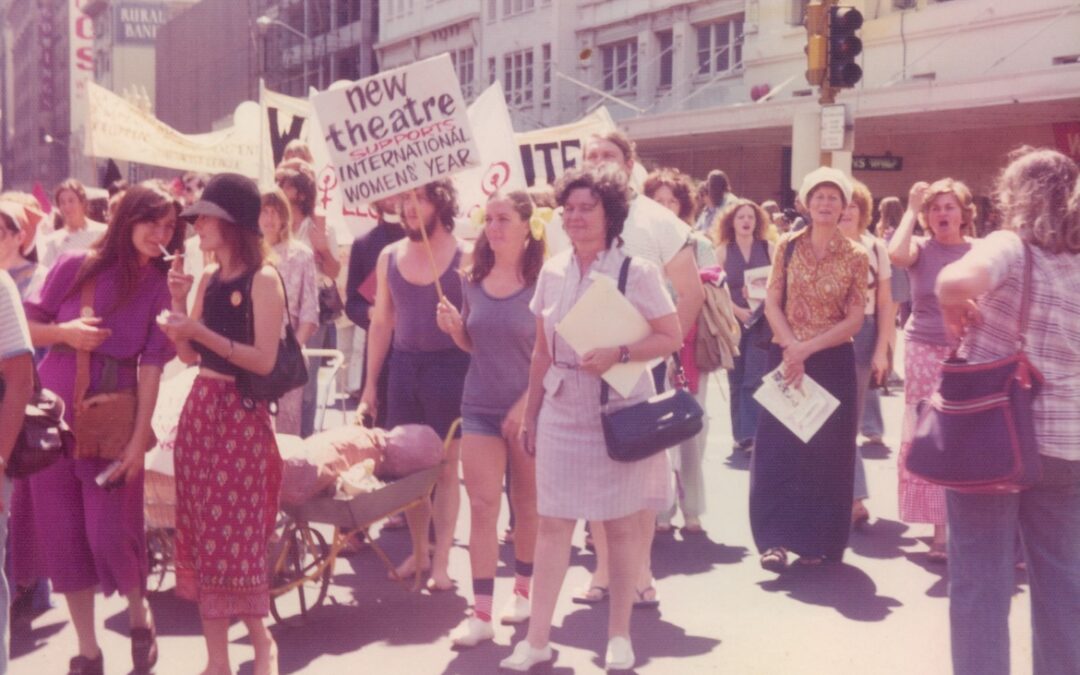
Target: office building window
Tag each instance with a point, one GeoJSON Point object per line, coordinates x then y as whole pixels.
{"type": "Point", "coordinates": [620, 66]}
{"type": "Point", "coordinates": [463, 60]}
{"type": "Point", "coordinates": [518, 77]}
{"type": "Point", "coordinates": [492, 76]}
{"type": "Point", "coordinates": [511, 7]}
{"type": "Point", "coordinates": [666, 43]}
{"type": "Point", "coordinates": [545, 76]}
{"type": "Point", "coordinates": [719, 47]}
{"type": "Point", "coordinates": [492, 10]}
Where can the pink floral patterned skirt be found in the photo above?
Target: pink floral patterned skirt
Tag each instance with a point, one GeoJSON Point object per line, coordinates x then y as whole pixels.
{"type": "Point", "coordinates": [920, 501]}
{"type": "Point", "coordinates": [228, 475]}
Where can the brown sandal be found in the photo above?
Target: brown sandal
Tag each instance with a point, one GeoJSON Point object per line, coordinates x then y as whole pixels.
{"type": "Point", "coordinates": [775, 559]}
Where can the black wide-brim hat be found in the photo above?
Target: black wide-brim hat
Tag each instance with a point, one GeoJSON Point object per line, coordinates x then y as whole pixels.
{"type": "Point", "coordinates": [230, 197]}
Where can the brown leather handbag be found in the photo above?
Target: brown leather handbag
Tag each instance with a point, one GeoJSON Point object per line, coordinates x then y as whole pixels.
{"type": "Point", "coordinates": [104, 421]}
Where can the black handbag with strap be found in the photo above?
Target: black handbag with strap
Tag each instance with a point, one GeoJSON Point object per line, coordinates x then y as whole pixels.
{"type": "Point", "coordinates": [654, 425]}
{"type": "Point", "coordinates": [44, 437]}
{"type": "Point", "coordinates": [977, 433]}
{"type": "Point", "coordinates": [290, 367]}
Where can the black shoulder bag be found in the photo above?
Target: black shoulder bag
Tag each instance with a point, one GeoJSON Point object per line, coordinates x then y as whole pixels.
{"type": "Point", "coordinates": [44, 437]}
{"type": "Point", "coordinates": [654, 425]}
{"type": "Point", "coordinates": [290, 367]}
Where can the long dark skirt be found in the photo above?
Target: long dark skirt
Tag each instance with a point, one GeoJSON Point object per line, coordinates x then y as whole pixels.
{"type": "Point", "coordinates": [801, 493]}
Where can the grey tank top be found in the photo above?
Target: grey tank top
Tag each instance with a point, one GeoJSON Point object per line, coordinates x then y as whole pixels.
{"type": "Point", "coordinates": [734, 266]}
{"type": "Point", "coordinates": [502, 331]}
{"type": "Point", "coordinates": [415, 329]}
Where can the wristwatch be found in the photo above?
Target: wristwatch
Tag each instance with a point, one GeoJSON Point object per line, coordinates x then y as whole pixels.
{"type": "Point", "coordinates": [624, 354]}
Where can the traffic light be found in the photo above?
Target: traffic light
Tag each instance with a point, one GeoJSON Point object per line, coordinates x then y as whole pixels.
{"type": "Point", "coordinates": [817, 43]}
{"type": "Point", "coordinates": [844, 46]}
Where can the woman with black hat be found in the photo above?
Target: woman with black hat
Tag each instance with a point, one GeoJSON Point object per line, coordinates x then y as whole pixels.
{"type": "Point", "coordinates": [228, 471]}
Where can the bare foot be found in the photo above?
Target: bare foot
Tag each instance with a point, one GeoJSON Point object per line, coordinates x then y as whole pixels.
{"type": "Point", "coordinates": [407, 568]}
{"type": "Point", "coordinates": [266, 659]}
{"type": "Point", "coordinates": [440, 581]}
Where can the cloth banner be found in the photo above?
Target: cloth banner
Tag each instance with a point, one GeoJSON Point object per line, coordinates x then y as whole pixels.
{"type": "Point", "coordinates": [119, 130]}
{"type": "Point", "coordinates": [547, 153]}
{"type": "Point", "coordinates": [396, 130]}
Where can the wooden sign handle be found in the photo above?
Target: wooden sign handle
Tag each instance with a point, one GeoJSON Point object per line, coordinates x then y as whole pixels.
{"type": "Point", "coordinates": [427, 244]}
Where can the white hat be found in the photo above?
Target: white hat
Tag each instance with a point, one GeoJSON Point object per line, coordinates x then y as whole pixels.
{"type": "Point", "coordinates": [824, 174]}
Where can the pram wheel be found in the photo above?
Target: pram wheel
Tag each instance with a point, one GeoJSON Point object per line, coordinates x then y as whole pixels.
{"type": "Point", "coordinates": [159, 550]}
{"type": "Point", "coordinates": [299, 574]}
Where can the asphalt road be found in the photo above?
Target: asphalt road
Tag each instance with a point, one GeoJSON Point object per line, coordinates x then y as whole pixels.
{"type": "Point", "coordinates": [884, 610]}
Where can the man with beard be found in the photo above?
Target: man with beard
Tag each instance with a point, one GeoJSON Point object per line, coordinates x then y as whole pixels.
{"type": "Point", "coordinates": [361, 285]}
{"type": "Point", "coordinates": [427, 370]}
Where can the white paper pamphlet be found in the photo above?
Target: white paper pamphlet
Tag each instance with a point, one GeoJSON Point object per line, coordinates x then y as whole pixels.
{"type": "Point", "coordinates": [756, 280]}
{"type": "Point", "coordinates": [803, 410]}
{"type": "Point", "coordinates": [603, 317]}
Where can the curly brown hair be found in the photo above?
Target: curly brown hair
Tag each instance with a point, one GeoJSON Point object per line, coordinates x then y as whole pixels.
{"type": "Point", "coordinates": [962, 193]}
{"type": "Point", "coordinates": [725, 224]}
{"type": "Point", "coordinates": [607, 184]}
{"type": "Point", "coordinates": [302, 179]}
{"type": "Point", "coordinates": [1038, 196]}
{"type": "Point", "coordinates": [680, 186]}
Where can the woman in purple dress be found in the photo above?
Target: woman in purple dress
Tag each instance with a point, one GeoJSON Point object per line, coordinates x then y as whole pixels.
{"type": "Point", "coordinates": [91, 536]}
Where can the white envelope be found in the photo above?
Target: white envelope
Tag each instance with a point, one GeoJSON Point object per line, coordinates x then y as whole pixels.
{"type": "Point", "coordinates": [603, 317]}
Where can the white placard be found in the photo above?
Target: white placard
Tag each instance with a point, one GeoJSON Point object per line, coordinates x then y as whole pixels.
{"type": "Point", "coordinates": [803, 410]}
{"type": "Point", "coordinates": [397, 130]}
{"type": "Point", "coordinates": [756, 280]}
{"type": "Point", "coordinates": [833, 120]}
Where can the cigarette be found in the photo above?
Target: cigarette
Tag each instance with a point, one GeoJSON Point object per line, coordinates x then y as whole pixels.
{"type": "Point", "coordinates": [169, 257]}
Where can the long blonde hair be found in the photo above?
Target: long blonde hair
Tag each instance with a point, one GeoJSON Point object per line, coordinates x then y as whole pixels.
{"type": "Point", "coordinates": [1038, 196]}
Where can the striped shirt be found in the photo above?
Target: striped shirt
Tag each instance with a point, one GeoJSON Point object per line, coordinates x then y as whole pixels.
{"type": "Point", "coordinates": [1052, 342]}
{"type": "Point", "coordinates": [14, 333]}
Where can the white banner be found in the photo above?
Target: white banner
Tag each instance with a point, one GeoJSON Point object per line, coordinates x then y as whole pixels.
{"type": "Point", "coordinates": [117, 129]}
{"type": "Point", "coordinates": [397, 130]}
{"type": "Point", "coordinates": [547, 153]}
{"type": "Point", "coordinates": [500, 162]}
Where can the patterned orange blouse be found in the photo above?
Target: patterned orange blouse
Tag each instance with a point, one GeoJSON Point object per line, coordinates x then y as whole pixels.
{"type": "Point", "coordinates": [820, 291]}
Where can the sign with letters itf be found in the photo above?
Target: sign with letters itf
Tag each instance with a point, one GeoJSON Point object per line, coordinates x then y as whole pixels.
{"type": "Point", "coordinates": [397, 130]}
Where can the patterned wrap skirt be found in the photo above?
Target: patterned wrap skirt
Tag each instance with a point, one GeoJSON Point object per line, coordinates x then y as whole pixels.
{"type": "Point", "coordinates": [228, 475]}
{"type": "Point", "coordinates": [920, 501]}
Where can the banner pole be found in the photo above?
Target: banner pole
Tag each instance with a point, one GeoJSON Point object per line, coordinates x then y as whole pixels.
{"type": "Point", "coordinates": [427, 243]}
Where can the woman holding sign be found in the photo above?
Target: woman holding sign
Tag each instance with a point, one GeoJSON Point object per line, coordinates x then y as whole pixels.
{"type": "Point", "coordinates": [801, 492]}
{"type": "Point", "coordinates": [575, 478]}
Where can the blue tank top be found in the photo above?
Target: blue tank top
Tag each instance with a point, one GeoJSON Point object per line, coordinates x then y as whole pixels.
{"type": "Point", "coordinates": [415, 329]}
{"type": "Point", "coordinates": [734, 266]}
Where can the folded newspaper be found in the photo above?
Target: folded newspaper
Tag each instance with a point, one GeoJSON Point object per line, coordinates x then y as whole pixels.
{"type": "Point", "coordinates": [803, 410]}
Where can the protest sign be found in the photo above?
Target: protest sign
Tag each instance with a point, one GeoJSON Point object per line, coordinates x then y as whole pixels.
{"type": "Point", "coordinates": [500, 163]}
{"type": "Point", "coordinates": [397, 130]}
{"type": "Point", "coordinates": [119, 130]}
{"type": "Point", "coordinates": [547, 153]}
{"type": "Point", "coordinates": [287, 118]}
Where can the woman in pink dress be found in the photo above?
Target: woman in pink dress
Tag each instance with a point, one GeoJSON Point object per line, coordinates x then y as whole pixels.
{"type": "Point", "coordinates": [947, 211]}
{"type": "Point", "coordinates": [575, 478]}
{"type": "Point", "coordinates": [228, 471]}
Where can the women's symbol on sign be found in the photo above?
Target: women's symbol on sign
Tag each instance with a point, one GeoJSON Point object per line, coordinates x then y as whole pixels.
{"type": "Point", "coordinates": [498, 175]}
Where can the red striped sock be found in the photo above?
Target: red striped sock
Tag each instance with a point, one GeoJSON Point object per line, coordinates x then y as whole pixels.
{"type": "Point", "coordinates": [521, 585]}
{"type": "Point", "coordinates": [482, 605]}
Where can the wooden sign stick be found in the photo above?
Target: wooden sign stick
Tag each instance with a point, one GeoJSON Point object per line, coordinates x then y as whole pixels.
{"type": "Point", "coordinates": [427, 244]}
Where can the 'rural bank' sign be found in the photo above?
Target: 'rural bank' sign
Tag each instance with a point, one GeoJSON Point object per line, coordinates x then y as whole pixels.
{"type": "Point", "coordinates": [138, 23]}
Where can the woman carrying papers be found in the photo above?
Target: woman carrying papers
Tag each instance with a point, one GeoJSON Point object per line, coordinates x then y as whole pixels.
{"type": "Point", "coordinates": [575, 478]}
{"type": "Point", "coordinates": [801, 492]}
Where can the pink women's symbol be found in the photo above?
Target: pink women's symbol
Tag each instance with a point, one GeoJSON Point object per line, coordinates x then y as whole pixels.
{"type": "Point", "coordinates": [498, 175]}
{"type": "Point", "coordinates": [327, 182]}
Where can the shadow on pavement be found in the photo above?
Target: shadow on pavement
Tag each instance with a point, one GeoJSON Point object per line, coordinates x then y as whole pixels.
{"type": "Point", "coordinates": [881, 539]}
{"type": "Point", "coordinates": [694, 554]}
{"type": "Point", "coordinates": [27, 640]}
{"type": "Point", "coordinates": [652, 636]}
{"type": "Point", "coordinates": [845, 588]}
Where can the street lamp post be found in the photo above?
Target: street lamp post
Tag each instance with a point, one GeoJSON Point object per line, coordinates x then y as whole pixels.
{"type": "Point", "coordinates": [264, 22]}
